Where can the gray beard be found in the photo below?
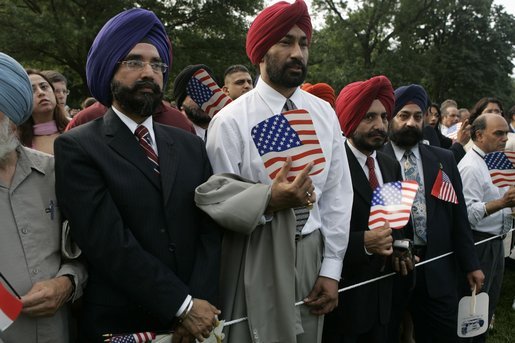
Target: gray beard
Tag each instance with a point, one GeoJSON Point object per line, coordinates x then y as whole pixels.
{"type": "Point", "coordinates": [8, 139]}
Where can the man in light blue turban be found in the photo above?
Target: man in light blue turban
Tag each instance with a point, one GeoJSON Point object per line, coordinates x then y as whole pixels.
{"type": "Point", "coordinates": [15, 90]}
{"type": "Point", "coordinates": [31, 226]}
{"type": "Point", "coordinates": [126, 184]}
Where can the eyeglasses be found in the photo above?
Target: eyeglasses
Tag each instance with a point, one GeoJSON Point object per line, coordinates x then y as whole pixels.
{"type": "Point", "coordinates": [157, 67]}
{"type": "Point", "coordinates": [62, 91]}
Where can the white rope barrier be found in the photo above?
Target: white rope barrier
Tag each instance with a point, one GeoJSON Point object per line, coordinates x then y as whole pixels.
{"type": "Point", "coordinates": [239, 320]}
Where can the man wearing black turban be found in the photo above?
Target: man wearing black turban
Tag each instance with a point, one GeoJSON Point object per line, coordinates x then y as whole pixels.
{"type": "Point", "coordinates": [126, 184]}
{"type": "Point", "coordinates": [439, 223]}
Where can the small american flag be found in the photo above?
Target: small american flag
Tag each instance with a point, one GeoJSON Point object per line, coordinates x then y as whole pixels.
{"type": "Point", "coordinates": [500, 164]}
{"type": "Point", "coordinates": [140, 337]}
{"type": "Point", "coordinates": [443, 189]}
{"type": "Point", "coordinates": [10, 308]}
{"type": "Point", "coordinates": [293, 134]}
{"type": "Point", "coordinates": [206, 93]}
{"type": "Point", "coordinates": [392, 203]}
{"type": "Point", "coordinates": [452, 133]}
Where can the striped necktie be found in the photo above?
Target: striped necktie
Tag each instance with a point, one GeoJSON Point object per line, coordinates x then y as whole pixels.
{"type": "Point", "coordinates": [372, 177]}
{"type": "Point", "coordinates": [301, 213]}
{"type": "Point", "coordinates": [144, 140]}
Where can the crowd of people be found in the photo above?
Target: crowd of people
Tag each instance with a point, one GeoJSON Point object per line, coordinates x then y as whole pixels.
{"type": "Point", "coordinates": [242, 199]}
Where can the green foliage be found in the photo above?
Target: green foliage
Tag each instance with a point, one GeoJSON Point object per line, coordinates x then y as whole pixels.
{"type": "Point", "coordinates": [57, 34]}
{"type": "Point", "coordinates": [455, 49]}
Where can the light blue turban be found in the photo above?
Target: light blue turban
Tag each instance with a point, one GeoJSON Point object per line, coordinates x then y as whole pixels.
{"type": "Point", "coordinates": [15, 90]}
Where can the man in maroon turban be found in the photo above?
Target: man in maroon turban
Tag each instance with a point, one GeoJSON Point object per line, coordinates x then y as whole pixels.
{"type": "Point", "coordinates": [307, 207]}
{"type": "Point", "coordinates": [126, 185]}
{"type": "Point", "coordinates": [363, 109]}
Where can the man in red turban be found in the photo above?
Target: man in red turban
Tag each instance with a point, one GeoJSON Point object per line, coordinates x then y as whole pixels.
{"type": "Point", "coordinates": [307, 205]}
{"type": "Point", "coordinates": [363, 109]}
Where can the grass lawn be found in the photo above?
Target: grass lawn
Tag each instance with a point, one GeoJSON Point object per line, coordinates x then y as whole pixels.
{"type": "Point", "coordinates": [504, 325]}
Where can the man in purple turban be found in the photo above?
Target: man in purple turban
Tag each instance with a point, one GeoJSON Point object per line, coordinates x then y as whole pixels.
{"type": "Point", "coordinates": [126, 184]}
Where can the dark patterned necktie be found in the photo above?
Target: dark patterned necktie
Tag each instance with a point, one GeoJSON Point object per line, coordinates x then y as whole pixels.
{"type": "Point", "coordinates": [418, 210]}
{"type": "Point", "coordinates": [301, 213]}
{"type": "Point", "coordinates": [372, 177]}
{"type": "Point", "coordinates": [144, 140]}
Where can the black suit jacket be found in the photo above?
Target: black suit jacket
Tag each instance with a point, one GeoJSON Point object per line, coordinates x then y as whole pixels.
{"type": "Point", "coordinates": [435, 138]}
{"type": "Point", "coordinates": [361, 308]}
{"type": "Point", "coordinates": [448, 228]}
{"type": "Point", "coordinates": [146, 243]}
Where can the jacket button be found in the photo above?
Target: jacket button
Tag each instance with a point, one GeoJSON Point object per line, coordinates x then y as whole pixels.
{"type": "Point", "coordinates": [171, 247]}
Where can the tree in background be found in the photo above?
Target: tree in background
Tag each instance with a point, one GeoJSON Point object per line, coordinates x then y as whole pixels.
{"type": "Point", "coordinates": [456, 49]}
{"type": "Point", "coordinates": [57, 34]}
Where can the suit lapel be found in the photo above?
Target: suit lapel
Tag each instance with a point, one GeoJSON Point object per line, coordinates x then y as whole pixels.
{"type": "Point", "coordinates": [387, 172]}
{"type": "Point", "coordinates": [430, 165]}
{"type": "Point", "coordinates": [360, 182]}
{"type": "Point", "coordinates": [120, 139]}
{"type": "Point", "coordinates": [167, 160]}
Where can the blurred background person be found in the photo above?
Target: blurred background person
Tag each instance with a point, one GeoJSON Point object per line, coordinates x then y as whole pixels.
{"type": "Point", "coordinates": [237, 81]}
{"type": "Point", "coordinates": [47, 121]}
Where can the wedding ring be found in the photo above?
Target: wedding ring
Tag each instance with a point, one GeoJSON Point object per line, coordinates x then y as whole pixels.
{"type": "Point", "coordinates": [308, 194]}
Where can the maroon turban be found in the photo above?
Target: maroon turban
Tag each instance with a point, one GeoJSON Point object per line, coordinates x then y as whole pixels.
{"type": "Point", "coordinates": [356, 98]}
{"type": "Point", "coordinates": [321, 90]}
{"type": "Point", "coordinates": [272, 24]}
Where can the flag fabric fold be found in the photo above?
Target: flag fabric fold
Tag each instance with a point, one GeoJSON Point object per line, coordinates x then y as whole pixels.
{"type": "Point", "coordinates": [443, 189]}
{"type": "Point", "coordinates": [501, 167]}
{"type": "Point", "coordinates": [392, 203]}
{"type": "Point", "coordinates": [293, 134]}
{"type": "Point", "coordinates": [452, 133]}
{"type": "Point", "coordinates": [10, 308]}
{"type": "Point", "coordinates": [205, 92]}
{"type": "Point", "coordinates": [139, 337]}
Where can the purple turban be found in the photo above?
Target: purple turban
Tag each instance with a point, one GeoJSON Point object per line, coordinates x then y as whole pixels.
{"type": "Point", "coordinates": [273, 23]}
{"type": "Point", "coordinates": [415, 94]}
{"type": "Point", "coordinates": [115, 40]}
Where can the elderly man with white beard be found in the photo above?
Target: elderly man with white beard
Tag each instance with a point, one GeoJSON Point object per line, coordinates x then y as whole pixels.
{"type": "Point", "coordinates": [30, 236]}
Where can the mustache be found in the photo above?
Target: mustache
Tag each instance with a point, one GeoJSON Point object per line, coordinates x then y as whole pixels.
{"type": "Point", "coordinates": [295, 63]}
{"type": "Point", "coordinates": [146, 84]}
{"type": "Point", "coordinates": [381, 133]}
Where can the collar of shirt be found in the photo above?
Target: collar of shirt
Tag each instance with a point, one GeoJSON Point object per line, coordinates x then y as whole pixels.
{"type": "Point", "coordinates": [399, 152]}
{"type": "Point", "coordinates": [478, 150]}
{"type": "Point", "coordinates": [201, 132]}
{"type": "Point", "coordinates": [362, 160]}
{"type": "Point", "coordinates": [276, 100]}
{"type": "Point", "coordinates": [132, 125]}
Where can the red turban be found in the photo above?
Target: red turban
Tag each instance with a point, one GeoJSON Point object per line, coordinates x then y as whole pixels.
{"type": "Point", "coordinates": [272, 24]}
{"type": "Point", "coordinates": [321, 90]}
{"type": "Point", "coordinates": [356, 98]}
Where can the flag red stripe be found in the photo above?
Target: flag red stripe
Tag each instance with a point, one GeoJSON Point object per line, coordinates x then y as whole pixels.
{"type": "Point", "coordinates": [9, 304]}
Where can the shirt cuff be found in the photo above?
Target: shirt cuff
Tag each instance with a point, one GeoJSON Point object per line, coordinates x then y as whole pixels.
{"type": "Point", "coordinates": [183, 306]}
{"type": "Point", "coordinates": [331, 268]}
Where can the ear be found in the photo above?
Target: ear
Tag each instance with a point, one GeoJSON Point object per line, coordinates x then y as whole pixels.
{"type": "Point", "coordinates": [225, 89]}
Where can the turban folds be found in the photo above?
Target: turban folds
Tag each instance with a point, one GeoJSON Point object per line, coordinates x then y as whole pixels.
{"type": "Point", "coordinates": [322, 91]}
{"type": "Point", "coordinates": [115, 40]}
{"type": "Point", "coordinates": [181, 82]}
{"type": "Point", "coordinates": [15, 90]}
{"type": "Point", "coordinates": [272, 24]}
{"type": "Point", "coordinates": [356, 98]}
{"type": "Point", "coordinates": [410, 94]}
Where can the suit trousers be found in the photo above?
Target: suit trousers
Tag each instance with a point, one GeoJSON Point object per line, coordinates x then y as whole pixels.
{"type": "Point", "coordinates": [308, 261]}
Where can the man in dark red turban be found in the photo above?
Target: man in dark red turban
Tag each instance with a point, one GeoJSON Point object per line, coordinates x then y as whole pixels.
{"type": "Point", "coordinates": [272, 24]}
{"type": "Point", "coordinates": [356, 98]}
{"type": "Point", "coordinates": [126, 183]}
{"type": "Point", "coordinates": [283, 137]}
{"type": "Point", "coordinates": [363, 109]}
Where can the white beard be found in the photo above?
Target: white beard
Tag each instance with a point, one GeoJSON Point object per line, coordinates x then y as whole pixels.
{"type": "Point", "coordinates": [8, 139]}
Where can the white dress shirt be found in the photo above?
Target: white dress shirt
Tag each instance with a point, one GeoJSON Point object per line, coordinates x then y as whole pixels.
{"type": "Point", "coordinates": [478, 189]}
{"type": "Point", "coordinates": [132, 125]}
{"type": "Point", "coordinates": [231, 149]}
{"type": "Point", "coordinates": [362, 160]}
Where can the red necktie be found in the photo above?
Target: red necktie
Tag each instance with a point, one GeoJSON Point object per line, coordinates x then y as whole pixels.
{"type": "Point", "coordinates": [372, 177]}
{"type": "Point", "coordinates": [143, 137]}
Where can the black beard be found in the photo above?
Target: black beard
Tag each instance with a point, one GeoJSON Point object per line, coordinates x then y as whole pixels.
{"type": "Point", "coordinates": [196, 115]}
{"type": "Point", "coordinates": [280, 75]}
{"type": "Point", "coordinates": [134, 102]}
{"type": "Point", "coordinates": [405, 137]}
{"type": "Point", "coordinates": [359, 140]}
